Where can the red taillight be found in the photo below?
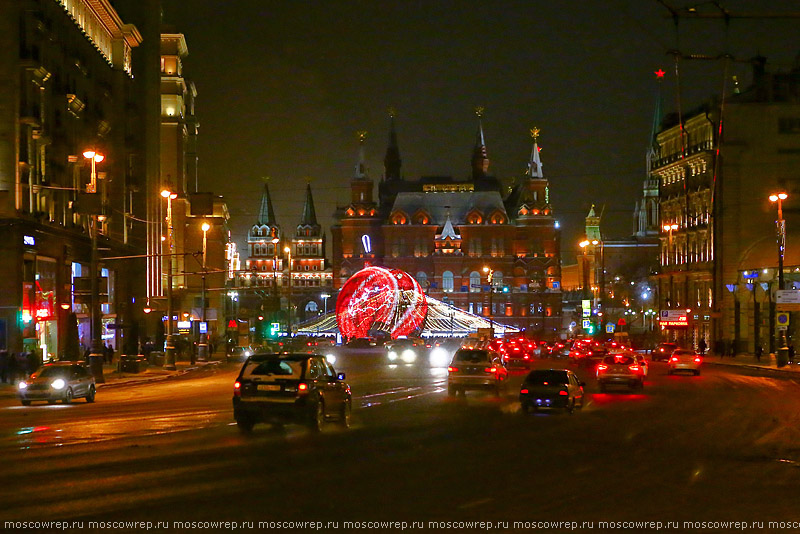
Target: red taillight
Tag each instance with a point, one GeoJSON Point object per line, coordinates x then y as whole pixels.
{"type": "Point", "coordinates": [237, 389]}
{"type": "Point", "coordinates": [309, 343]}
{"type": "Point", "coordinates": [526, 356]}
{"type": "Point", "coordinates": [490, 370]}
{"type": "Point", "coordinates": [602, 367]}
{"type": "Point", "coordinates": [452, 369]}
{"type": "Point", "coordinates": [673, 359]}
{"type": "Point", "coordinates": [697, 360]}
{"type": "Point", "coordinates": [563, 393]}
{"type": "Point", "coordinates": [524, 391]}
{"type": "Point", "coordinates": [634, 367]}
{"type": "Point", "coordinates": [302, 388]}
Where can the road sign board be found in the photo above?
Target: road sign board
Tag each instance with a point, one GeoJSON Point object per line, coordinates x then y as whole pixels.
{"type": "Point", "coordinates": [787, 296]}
{"type": "Point", "coordinates": [610, 328]}
{"type": "Point", "coordinates": [673, 318]}
{"type": "Point", "coordinates": [587, 323]}
{"type": "Point", "coordinates": [787, 307]}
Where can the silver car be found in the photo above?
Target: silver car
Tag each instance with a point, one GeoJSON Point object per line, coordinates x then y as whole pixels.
{"type": "Point", "coordinates": [619, 369]}
{"type": "Point", "coordinates": [685, 360]}
{"type": "Point", "coordinates": [476, 369]}
{"type": "Point", "coordinates": [56, 381]}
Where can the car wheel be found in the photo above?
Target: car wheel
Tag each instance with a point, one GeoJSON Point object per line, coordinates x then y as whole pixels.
{"type": "Point", "coordinates": [669, 372]}
{"type": "Point", "coordinates": [603, 388]}
{"type": "Point", "coordinates": [26, 403]}
{"type": "Point", "coordinates": [346, 414]}
{"type": "Point", "coordinates": [51, 401]}
{"type": "Point", "coordinates": [526, 408]}
{"type": "Point", "coordinates": [245, 424]}
{"type": "Point", "coordinates": [318, 416]}
{"type": "Point", "coordinates": [697, 372]}
{"type": "Point", "coordinates": [571, 407]}
{"type": "Point", "coordinates": [451, 391]}
{"type": "Point", "coordinates": [67, 396]}
{"type": "Point", "coordinates": [91, 394]}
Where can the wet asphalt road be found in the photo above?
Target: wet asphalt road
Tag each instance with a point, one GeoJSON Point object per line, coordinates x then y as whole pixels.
{"type": "Point", "coordinates": [724, 446]}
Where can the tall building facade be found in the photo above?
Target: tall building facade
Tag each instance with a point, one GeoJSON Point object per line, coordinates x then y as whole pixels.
{"type": "Point", "coordinates": [719, 254]}
{"type": "Point", "coordinates": [451, 235]}
{"type": "Point", "coordinates": [66, 73]}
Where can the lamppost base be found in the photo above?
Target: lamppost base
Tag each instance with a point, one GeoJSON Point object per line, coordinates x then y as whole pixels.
{"type": "Point", "coordinates": [169, 355]}
{"type": "Point", "coordinates": [782, 357]}
{"type": "Point", "coordinates": [202, 351]}
{"type": "Point", "coordinates": [96, 367]}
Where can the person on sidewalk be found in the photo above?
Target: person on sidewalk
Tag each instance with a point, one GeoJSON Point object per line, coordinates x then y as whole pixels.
{"type": "Point", "coordinates": [702, 346]}
{"type": "Point", "coordinates": [791, 353]}
{"type": "Point", "coordinates": [759, 350]}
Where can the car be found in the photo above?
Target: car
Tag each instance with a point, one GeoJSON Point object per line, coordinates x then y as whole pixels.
{"type": "Point", "coordinates": [551, 388]}
{"type": "Point", "coordinates": [476, 369]}
{"type": "Point", "coordinates": [619, 369]}
{"type": "Point", "coordinates": [58, 381]}
{"type": "Point", "coordinates": [685, 360]}
{"type": "Point", "coordinates": [517, 354]}
{"type": "Point", "coordinates": [239, 354]}
{"type": "Point", "coordinates": [362, 343]}
{"type": "Point", "coordinates": [663, 351]}
{"type": "Point", "coordinates": [290, 388]}
{"type": "Point", "coordinates": [406, 350]}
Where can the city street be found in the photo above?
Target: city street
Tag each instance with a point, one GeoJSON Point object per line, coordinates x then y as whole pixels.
{"type": "Point", "coordinates": [720, 446]}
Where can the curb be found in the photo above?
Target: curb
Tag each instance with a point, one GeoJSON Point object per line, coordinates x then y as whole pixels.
{"type": "Point", "coordinates": [133, 380]}
{"type": "Point", "coordinates": [754, 367]}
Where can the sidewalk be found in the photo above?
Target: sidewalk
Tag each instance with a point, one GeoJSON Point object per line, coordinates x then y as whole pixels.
{"type": "Point", "coordinates": [768, 362]}
{"type": "Point", "coordinates": [115, 378]}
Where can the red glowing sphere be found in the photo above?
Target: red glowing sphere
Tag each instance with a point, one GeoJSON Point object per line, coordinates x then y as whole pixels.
{"type": "Point", "coordinates": [377, 298]}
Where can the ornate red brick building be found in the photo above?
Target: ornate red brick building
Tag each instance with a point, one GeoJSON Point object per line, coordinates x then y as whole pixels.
{"type": "Point", "coordinates": [451, 235]}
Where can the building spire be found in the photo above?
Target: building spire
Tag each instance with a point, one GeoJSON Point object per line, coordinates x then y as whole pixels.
{"type": "Point", "coordinates": [652, 149]}
{"type": "Point", "coordinates": [309, 217]}
{"type": "Point", "coordinates": [361, 166]}
{"type": "Point", "coordinates": [535, 163]}
{"type": "Point", "coordinates": [392, 161]}
{"type": "Point", "coordinates": [266, 216]}
{"type": "Point", "coordinates": [480, 158]}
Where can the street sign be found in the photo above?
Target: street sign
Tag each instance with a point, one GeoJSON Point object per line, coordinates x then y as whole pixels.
{"type": "Point", "coordinates": [610, 328]}
{"type": "Point", "coordinates": [782, 320]}
{"type": "Point", "coordinates": [787, 300]}
{"type": "Point", "coordinates": [204, 327]}
{"type": "Point", "coordinates": [586, 305]}
{"type": "Point", "coordinates": [587, 323]}
{"type": "Point", "coordinates": [673, 318]}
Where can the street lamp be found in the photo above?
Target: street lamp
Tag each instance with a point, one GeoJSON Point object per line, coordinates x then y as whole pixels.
{"type": "Point", "coordinates": [325, 297]}
{"type": "Point", "coordinates": [288, 251]}
{"type": "Point", "coordinates": [96, 356]}
{"type": "Point", "coordinates": [490, 272]}
{"type": "Point", "coordinates": [202, 346]}
{"type": "Point", "coordinates": [669, 228]}
{"type": "Point", "coordinates": [783, 349]}
{"type": "Point", "coordinates": [169, 344]}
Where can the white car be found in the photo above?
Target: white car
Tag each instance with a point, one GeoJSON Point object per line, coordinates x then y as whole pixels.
{"type": "Point", "coordinates": [685, 360]}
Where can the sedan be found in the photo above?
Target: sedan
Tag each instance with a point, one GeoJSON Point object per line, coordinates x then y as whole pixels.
{"type": "Point", "coordinates": [290, 388]}
{"type": "Point", "coordinates": [551, 388]}
{"type": "Point", "coordinates": [619, 369]}
{"type": "Point", "coordinates": [476, 369]}
{"type": "Point", "coordinates": [685, 360]}
{"type": "Point", "coordinates": [56, 381]}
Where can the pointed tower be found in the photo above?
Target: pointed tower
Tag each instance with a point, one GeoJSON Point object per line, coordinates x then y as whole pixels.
{"type": "Point", "coordinates": [592, 226]}
{"type": "Point", "coordinates": [480, 157]}
{"type": "Point", "coordinates": [531, 195]}
{"type": "Point", "coordinates": [262, 250]}
{"type": "Point", "coordinates": [308, 252]}
{"type": "Point", "coordinates": [645, 217]}
{"type": "Point", "coordinates": [308, 221]}
{"type": "Point", "coordinates": [392, 161]}
{"type": "Point", "coordinates": [449, 241]}
{"type": "Point", "coordinates": [361, 185]}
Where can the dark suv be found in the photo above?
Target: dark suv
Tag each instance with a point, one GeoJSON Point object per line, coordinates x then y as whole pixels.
{"type": "Point", "coordinates": [290, 388]}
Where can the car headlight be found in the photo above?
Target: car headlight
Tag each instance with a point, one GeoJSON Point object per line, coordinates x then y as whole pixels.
{"type": "Point", "coordinates": [409, 356]}
{"type": "Point", "coordinates": [58, 383]}
{"type": "Point", "coordinates": [331, 358]}
{"type": "Point", "coordinates": [439, 357]}
{"type": "Point", "coordinates": [22, 385]}
{"type": "Point", "coordinates": [392, 355]}
{"type": "Point", "coordinates": [247, 353]}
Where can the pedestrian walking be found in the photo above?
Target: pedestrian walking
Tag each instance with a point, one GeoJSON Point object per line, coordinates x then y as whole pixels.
{"type": "Point", "coordinates": [759, 350]}
{"type": "Point", "coordinates": [109, 353]}
{"type": "Point", "coordinates": [3, 365]}
{"type": "Point", "coordinates": [702, 346]}
{"type": "Point", "coordinates": [791, 353]}
{"type": "Point", "coordinates": [13, 368]}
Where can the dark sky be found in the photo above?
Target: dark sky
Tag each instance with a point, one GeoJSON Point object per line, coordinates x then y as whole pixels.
{"type": "Point", "coordinates": [284, 85]}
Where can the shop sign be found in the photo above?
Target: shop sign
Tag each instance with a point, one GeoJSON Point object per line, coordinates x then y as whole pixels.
{"type": "Point", "coordinates": [29, 240]}
{"type": "Point", "coordinates": [674, 318]}
{"type": "Point", "coordinates": [184, 327]}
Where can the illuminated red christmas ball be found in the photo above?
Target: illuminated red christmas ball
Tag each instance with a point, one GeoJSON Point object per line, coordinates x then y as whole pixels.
{"type": "Point", "coordinates": [377, 298]}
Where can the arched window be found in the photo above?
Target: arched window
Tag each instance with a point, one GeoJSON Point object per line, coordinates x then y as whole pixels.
{"type": "Point", "coordinates": [474, 282]}
{"type": "Point", "coordinates": [312, 307]}
{"type": "Point", "coordinates": [447, 282]}
{"type": "Point", "coordinates": [422, 279]}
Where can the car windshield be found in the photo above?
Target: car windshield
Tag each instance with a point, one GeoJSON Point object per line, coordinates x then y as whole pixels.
{"type": "Point", "coordinates": [618, 359]}
{"type": "Point", "coordinates": [53, 371]}
{"type": "Point", "coordinates": [547, 377]}
{"type": "Point", "coordinates": [273, 366]}
{"type": "Point", "coordinates": [471, 356]}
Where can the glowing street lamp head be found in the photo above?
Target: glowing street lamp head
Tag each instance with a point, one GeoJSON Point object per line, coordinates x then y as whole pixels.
{"type": "Point", "coordinates": [584, 243]}
{"type": "Point", "coordinates": [666, 227]}
{"type": "Point", "coordinates": [287, 250]}
{"type": "Point", "coordinates": [96, 156]}
{"type": "Point", "coordinates": [206, 227]}
{"type": "Point", "coordinates": [595, 242]}
{"type": "Point", "coordinates": [275, 240]}
{"type": "Point", "coordinates": [165, 193]}
{"type": "Point", "coordinates": [775, 196]}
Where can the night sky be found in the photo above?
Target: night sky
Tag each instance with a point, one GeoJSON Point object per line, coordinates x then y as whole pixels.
{"type": "Point", "coordinates": [283, 86]}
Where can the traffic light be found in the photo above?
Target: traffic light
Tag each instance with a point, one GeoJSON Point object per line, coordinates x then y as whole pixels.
{"type": "Point", "coordinates": [505, 289]}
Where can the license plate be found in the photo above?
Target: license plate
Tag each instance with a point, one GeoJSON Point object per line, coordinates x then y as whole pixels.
{"type": "Point", "coordinates": [269, 387]}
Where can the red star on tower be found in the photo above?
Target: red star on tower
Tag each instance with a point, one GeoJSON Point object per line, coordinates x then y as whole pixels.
{"type": "Point", "coordinates": [659, 73]}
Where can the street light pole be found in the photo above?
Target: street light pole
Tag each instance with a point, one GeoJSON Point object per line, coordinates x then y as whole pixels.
{"type": "Point", "coordinates": [202, 346]}
{"type": "Point", "coordinates": [325, 297]}
{"type": "Point", "coordinates": [288, 251]}
{"type": "Point", "coordinates": [169, 345]}
{"type": "Point", "coordinates": [783, 349]}
{"type": "Point", "coordinates": [490, 273]}
{"type": "Point", "coordinates": [96, 354]}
